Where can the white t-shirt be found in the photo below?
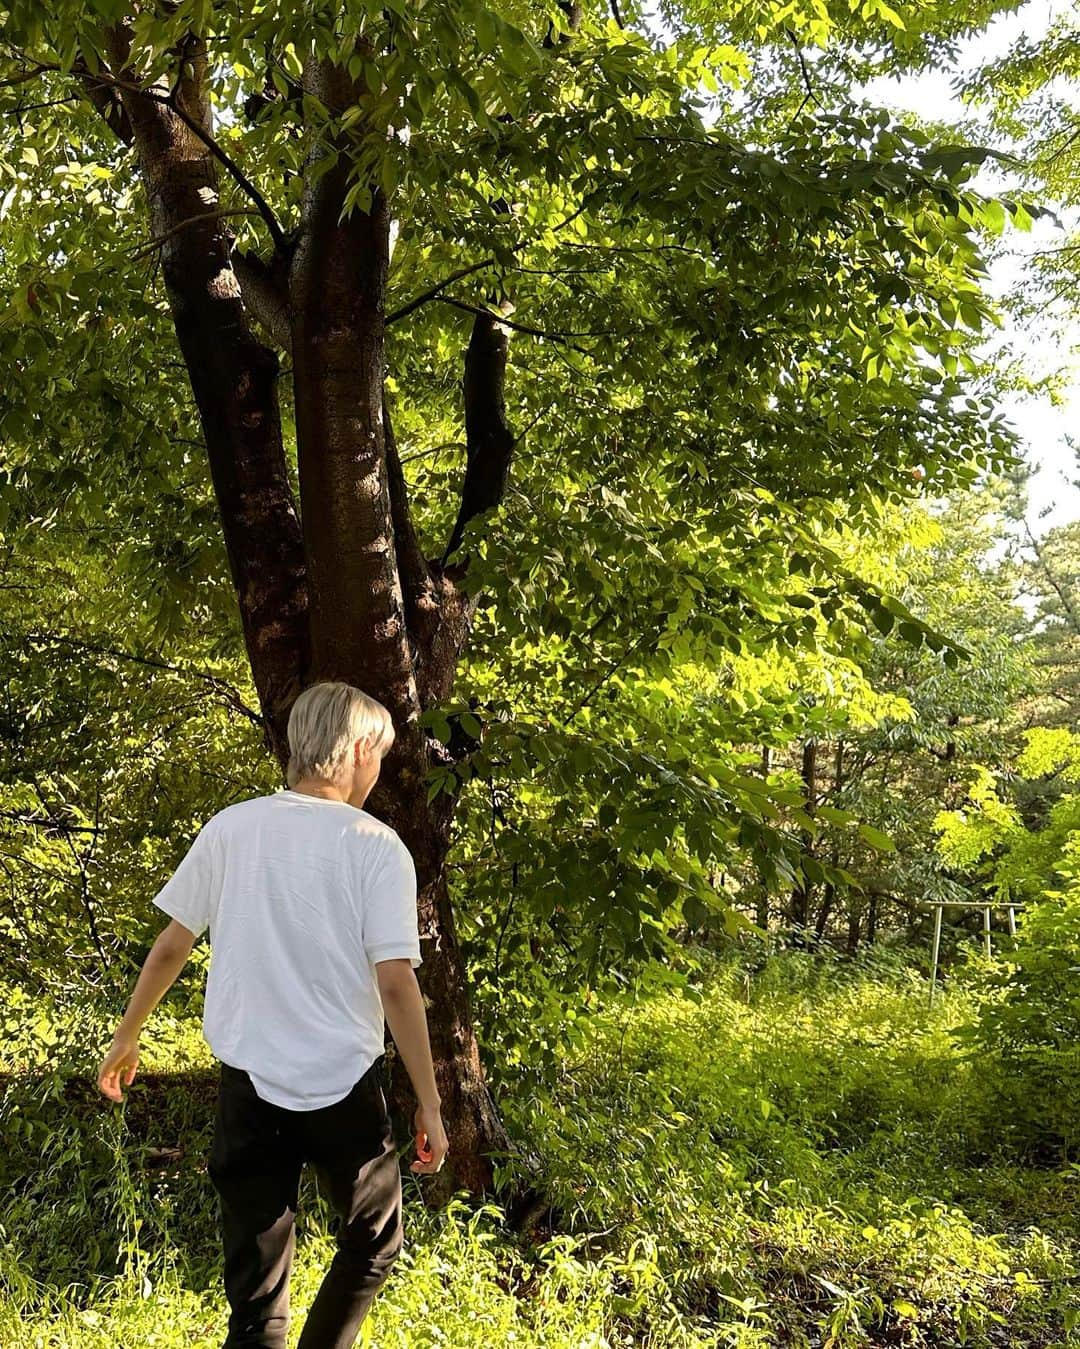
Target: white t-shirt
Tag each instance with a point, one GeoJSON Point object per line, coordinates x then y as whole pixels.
{"type": "Point", "coordinates": [302, 896]}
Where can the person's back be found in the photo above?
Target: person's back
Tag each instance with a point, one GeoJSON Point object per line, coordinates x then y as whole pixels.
{"type": "Point", "coordinates": [302, 896]}
{"type": "Point", "coordinates": [311, 907]}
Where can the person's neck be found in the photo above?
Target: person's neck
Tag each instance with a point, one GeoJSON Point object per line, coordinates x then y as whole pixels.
{"type": "Point", "coordinates": [327, 791]}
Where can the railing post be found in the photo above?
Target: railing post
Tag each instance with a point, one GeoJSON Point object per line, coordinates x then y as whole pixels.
{"type": "Point", "coordinates": [938, 911]}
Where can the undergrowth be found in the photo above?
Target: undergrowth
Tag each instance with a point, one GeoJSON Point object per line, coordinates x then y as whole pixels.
{"type": "Point", "coordinates": [803, 1155]}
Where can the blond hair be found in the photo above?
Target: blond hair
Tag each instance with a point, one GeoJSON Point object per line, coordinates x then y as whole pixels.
{"type": "Point", "coordinates": [325, 721]}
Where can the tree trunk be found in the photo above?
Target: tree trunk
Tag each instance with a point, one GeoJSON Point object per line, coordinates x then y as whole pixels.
{"type": "Point", "coordinates": [854, 921]}
{"type": "Point", "coordinates": [762, 909]}
{"type": "Point", "coordinates": [799, 909]}
{"type": "Point", "coordinates": [829, 896]}
{"type": "Point", "coordinates": [233, 379]}
{"type": "Point", "coordinates": [360, 544]}
{"type": "Point", "coordinates": [348, 594]}
{"type": "Point", "coordinates": [473, 1123]}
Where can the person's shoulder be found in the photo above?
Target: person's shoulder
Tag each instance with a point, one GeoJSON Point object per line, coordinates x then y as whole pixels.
{"type": "Point", "coordinates": [239, 812]}
{"type": "Point", "coordinates": [367, 826]}
{"type": "Point", "coordinates": [375, 836]}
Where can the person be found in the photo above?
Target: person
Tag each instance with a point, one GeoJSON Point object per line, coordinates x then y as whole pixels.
{"type": "Point", "coordinates": [310, 902]}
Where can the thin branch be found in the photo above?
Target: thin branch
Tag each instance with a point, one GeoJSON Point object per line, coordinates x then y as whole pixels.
{"type": "Point", "coordinates": [232, 168]}
{"type": "Point", "coordinates": [20, 108]}
{"type": "Point", "coordinates": [276, 232]}
{"type": "Point", "coordinates": [170, 101]}
{"type": "Point", "coordinates": [84, 890]}
{"type": "Point", "coordinates": [221, 686]}
{"type": "Point", "coordinates": [805, 74]}
{"type": "Point", "coordinates": [564, 271]}
{"type": "Point", "coordinates": [560, 337]}
{"type": "Point", "coordinates": [422, 454]}
{"type": "Point", "coordinates": [647, 635]}
{"type": "Point", "coordinates": [26, 76]}
{"type": "Point", "coordinates": [651, 249]}
{"type": "Point", "coordinates": [1051, 158]}
{"type": "Point", "coordinates": [1066, 604]}
{"type": "Point", "coordinates": [107, 101]}
{"type": "Point", "coordinates": [48, 823]}
{"type": "Point", "coordinates": [434, 291]}
{"type": "Point", "coordinates": [141, 250]}
{"type": "Point", "coordinates": [61, 877]}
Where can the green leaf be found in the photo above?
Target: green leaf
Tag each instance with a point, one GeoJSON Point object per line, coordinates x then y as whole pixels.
{"type": "Point", "coordinates": [882, 619]}
{"type": "Point", "coordinates": [876, 839]}
{"type": "Point", "coordinates": [487, 30]}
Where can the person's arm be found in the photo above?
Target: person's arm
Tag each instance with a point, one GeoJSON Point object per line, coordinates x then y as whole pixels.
{"type": "Point", "coordinates": [403, 1005]}
{"type": "Point", "coordinates": [166, 959]}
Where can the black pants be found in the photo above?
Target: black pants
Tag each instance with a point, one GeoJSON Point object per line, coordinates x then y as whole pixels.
{"type": "Point", "coordinates": [255, 1162]}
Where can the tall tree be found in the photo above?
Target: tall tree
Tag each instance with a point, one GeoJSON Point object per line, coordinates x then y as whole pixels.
{"type": "Point", "coordinates": [355, 207]}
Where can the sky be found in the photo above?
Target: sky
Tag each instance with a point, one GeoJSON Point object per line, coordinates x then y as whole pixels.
{"type": "Point", "coordinates": [1054, 498]}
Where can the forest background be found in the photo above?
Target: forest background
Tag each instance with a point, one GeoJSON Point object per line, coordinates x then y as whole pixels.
{"type": "Point", "coordinates": [620, 396]}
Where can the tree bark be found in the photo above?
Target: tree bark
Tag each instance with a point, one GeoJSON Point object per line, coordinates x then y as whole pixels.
{"type": "Point", "coordinates": [488, 438]}
{"type": "Point", "coordinates": [473, 1124]}
{"type": "Point", "coordinates": [337, 285]}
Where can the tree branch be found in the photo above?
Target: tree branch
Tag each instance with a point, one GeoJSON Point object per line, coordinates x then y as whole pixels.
{"type": "Point", "coordinates": [561, 337]}
{"type": "Point", "coordinates": [171, 100]}
{"type": "Point", "coordinates": [230, 696]}
{"type": "Point", "coordinates": [413, 569]}
{"type": "Point", "coordinates": [434, 291]}
{"type": "Point", "coordinates": [48, 822]}
{"type": "Point", "coordinates": [13, 81]}
{"type": "Point", "coordinates": [489, 441]}
{"type": "Point", "coordinates": [107, 101]}
{"type": "Point", "coordinates": [1070, 612]}
{"type": "Point", "coordinates": [141, 250]}
{"type": "Point", "coordinates": [84, 886]}
{"type": "Point", "coordinates": [234, 377]}
{"type": "Point", "coordinates": [804, 69]}
{"type": "Point", "coordinates": [264, 290]}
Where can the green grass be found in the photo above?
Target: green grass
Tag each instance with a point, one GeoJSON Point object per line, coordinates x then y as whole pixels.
{"type": "Point", "coordinates": [802, 1157]}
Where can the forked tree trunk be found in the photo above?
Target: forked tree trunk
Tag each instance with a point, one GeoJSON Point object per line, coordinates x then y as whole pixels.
{"type": "Point", "coordinates": [348, 594]}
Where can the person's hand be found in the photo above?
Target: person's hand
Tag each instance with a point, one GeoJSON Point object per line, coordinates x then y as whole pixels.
{"type": "Point", "coordinates": [431, 1144]}
{"type": "Point", "coordinates": [118, 1067]}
